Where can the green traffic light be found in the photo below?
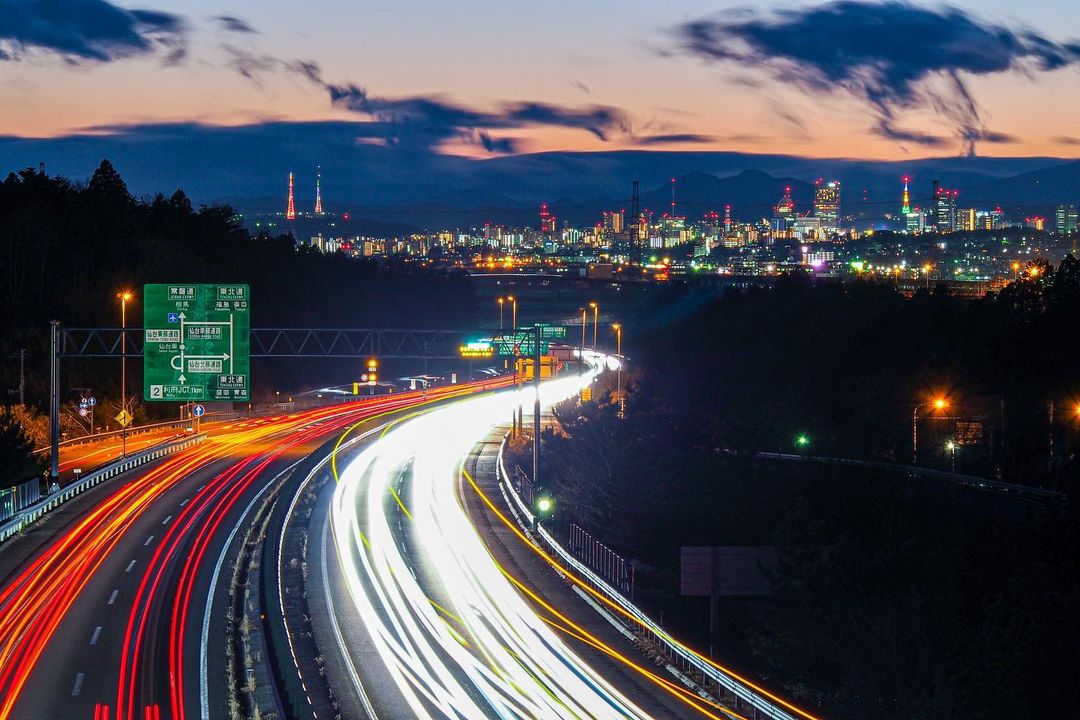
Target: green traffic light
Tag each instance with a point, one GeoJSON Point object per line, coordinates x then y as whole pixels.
{"type": "Point", "coordinates": [802, 441]}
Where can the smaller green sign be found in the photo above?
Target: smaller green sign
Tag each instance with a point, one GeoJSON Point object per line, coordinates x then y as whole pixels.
{"type": "Point", "coordinates": [552, 332]}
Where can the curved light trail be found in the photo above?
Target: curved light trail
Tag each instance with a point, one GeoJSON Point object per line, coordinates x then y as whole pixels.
{"type": "Point", "coordinates": [454, 632]}
{"type": "Point", "coordinates": [35, 601]}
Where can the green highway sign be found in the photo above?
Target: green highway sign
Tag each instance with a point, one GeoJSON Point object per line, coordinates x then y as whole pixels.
{"type": "Point", "coordinates": [197, 342]}
{"type": "Point", "coordinates": [524, 343]}
{"type": "Point", "coordinates": [552, 332]}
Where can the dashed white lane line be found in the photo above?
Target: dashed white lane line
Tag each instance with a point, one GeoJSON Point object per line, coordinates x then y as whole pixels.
{"type": "Point", "coordinates": [78, 685]}
{"type": "Point", "coordinates": [96, 635]}
{"type": "Point", "coordinates": [166, 520]}
{"type": "Point", "coordinates": [185, 502]}
{"type": "Point", "coordinates": [130, 565]}
{"type": "Point", "coordinates": [148, 541]}
{"type": "Point", "coordinates": [112, 598]}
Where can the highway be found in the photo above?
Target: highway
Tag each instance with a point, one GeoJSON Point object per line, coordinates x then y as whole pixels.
{"type": "Point", "coordinates": [115, 611]}
{"type": "Point", "coordinates": [427, 620]}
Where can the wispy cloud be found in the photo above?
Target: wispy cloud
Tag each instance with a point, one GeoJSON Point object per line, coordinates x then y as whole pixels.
{"type": "Point", "coordinates": [83, 31]}
{"type": "Point", "coordinates": [894, 56]}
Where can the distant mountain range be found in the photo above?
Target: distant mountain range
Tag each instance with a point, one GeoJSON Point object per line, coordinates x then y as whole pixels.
{"type": "Point", "coordinates": [248, 167]}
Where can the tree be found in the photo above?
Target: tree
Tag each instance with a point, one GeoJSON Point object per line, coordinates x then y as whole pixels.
{"type": "Point", "coordinates": [17, 459]}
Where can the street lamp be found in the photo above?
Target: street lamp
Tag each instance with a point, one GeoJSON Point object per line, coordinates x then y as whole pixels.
{"type": "Point", "coordinates": [584, 323]}
{"type": "Point", "coordinates": [595, 320]}
{"type": "Point", "coordinates": [951, 447]}
{"type": "Point", "coordinates": [513, 300]}
{"type": "Point", "coordinates": [618, 371]}
{"type": "Point", "coordinates": [938, 403]}
{"type": "Point", "coordinates": [501, 301]}
{"type": "Point", "coordinates": [124, 296]}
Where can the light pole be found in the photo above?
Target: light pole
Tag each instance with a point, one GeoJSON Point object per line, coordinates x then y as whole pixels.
{"type": "Point", "coordinates": [595, 320]}
{"type": "Point", "coordinates": [513, 301]}
{"type": "Point", "coordinates": [584, 324]}
{"type": "Point", "coordinates": [951, 447]}
{"type": "Point", "coordinates": [501, 301]}
{"type": "Point", "coordinates": [937, 404]}
{"type": "Point", "coordinates": [618, 371]}
{"type": "Point", "coordinates": [124, 297]}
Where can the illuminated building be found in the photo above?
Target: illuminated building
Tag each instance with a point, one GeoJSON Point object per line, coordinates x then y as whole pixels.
{"type": "Point", "coordinates": [943, 212]}
{"type": "Point", "coordinates": [1066, 219]}
{"type": "Point", "coordinates": [966, 219]}
{"type": "Point", "coordinates": [1035, 223]}
{"type": "Point", "coordinates": [784, 212]}
{"type": "Point", "coordinates": [808, 229]}
{"type": "Point", "coordinates": [827, 202]}
{"type": "Point", "coordinates": [614, 222]}
{"type": "Point", "coordinates": [318, 191]}
{"type": "Point", "coordinates": [547, 220]}
{"type": "Point", "coordinates": [905, 199]}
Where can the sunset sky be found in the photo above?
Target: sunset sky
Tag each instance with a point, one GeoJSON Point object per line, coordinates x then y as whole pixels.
{"type": "Point", "coordinates": [623, 55]}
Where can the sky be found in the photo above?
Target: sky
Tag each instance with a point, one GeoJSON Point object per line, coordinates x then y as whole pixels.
{"type": "Point", "coordinates": [481, 77]}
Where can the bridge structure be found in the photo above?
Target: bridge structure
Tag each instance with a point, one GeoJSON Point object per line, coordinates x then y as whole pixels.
{"type": "Point", "coordinates": [277, 342]}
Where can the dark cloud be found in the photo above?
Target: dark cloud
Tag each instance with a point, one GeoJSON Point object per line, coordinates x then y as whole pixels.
{"type": "Point", "coordinates": [234, 24]}
{"type": "Point", "coordinates": [892, 55]}
{"type": "Point", "coordinates": [87, 31]}
{"type": "Point", "coordinates": [673, 139]}
{"type": "Point", "coordinates": [1065, 140]}
{"type": "Point", "coordinates": [431, 119]}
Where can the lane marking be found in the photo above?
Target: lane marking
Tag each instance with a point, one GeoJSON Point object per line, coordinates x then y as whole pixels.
{"type": "Point", "coordinates": [112, 598]}
{"type": "Point", "coordinates": [78, 685]}
{"type": "Point", "coordinates": [148, 541]}
{"type": "Point", "coordinates": [96, 635]}
{"type": "Point", "coordinates": [185, 502]}
{"type": "Point", "coordinates": [166, 520]}
{"type": "Point", "coordinates": [130, 565]}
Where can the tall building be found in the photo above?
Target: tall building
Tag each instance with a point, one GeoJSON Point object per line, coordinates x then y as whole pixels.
{"type": "Point", "coordinates": [318, 191]}
{"type": "Point", "coordinates": [966, 219]}
{"type": "Point", "coordinates": [1066, 219]}
{"type": "Point", "coordinates": [547, 220]}
{"type": "Point", "coordinates": [943, 210]}
{"type": "Point", "coordinates": [614, 221]}
{"type": "Point", "coordinates": [905, 200]}
{"type": "Point", "coordinates": [784, 211]}
{"type": "Point", "coordinates": [827, 202]}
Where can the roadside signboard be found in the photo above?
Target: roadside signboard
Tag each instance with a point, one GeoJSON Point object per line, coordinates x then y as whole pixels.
{"type": "Point", "coordinates": [197, 341]}
{"type": "Point", "coordinates": [124, 418]}
{"type": "Point", "coordinates": [198, 411]}
{"type": "Point", "coordinates": [477, 349]}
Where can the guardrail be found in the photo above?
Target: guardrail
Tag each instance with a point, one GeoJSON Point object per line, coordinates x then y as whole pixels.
{"type": "Point", "coordinates": [139, 429]}
{"type": "Point", "coordinates": [974, 481]}
{"type": "Point", "coordinates": [61, 496]}
{"type": "Point", "coordinates": [682, 658]}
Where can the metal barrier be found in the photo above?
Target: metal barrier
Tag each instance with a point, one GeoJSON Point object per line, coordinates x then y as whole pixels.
{"type": "Point", "coordinates": [681, 658]}
{"type": "Point", "coordinates": [53, 500]}
{"type": "Point", "coordinates": [14, 499]}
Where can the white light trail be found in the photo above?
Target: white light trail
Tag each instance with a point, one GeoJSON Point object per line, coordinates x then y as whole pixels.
{"type": "Point", "coordinates": [456, 636]}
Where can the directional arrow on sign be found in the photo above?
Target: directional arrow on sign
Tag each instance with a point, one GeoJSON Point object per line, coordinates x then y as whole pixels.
{"type": "Point", "coordinates": [182, 379]}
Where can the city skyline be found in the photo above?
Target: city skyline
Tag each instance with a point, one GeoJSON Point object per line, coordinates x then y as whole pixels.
{"type": "Point", "coordinates": [593, 79]}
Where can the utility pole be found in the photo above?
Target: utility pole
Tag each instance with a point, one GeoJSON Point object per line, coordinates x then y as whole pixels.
{"type": "Point", "coordinates": [22, 376]}
{"type": "Point", "coordinates": [54, 403]}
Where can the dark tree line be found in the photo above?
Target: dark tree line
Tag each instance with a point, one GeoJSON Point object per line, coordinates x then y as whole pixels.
{"type": "Point", "coordinates": [894, 597]}
{"type": "Point", "coordinates": [67, 248]}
